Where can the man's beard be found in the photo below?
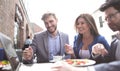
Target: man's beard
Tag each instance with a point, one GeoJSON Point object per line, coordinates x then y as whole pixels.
{"type": "Point", "coordinates": [118, 26]}
{"type": "Point", "coordinates": [52, 31]}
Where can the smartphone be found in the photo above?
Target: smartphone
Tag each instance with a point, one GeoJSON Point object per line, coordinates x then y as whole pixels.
{"type": "Point", "coordinates": [25, 46]}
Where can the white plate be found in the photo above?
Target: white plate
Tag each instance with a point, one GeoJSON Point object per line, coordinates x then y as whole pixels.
{"type": "Point", "coordinates": [80, 62]}
{"type": "Point", "coordinates": [53, 61]}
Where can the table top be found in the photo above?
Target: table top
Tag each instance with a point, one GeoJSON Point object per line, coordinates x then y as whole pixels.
{"type": "Point", "coordinates": [36, 67]}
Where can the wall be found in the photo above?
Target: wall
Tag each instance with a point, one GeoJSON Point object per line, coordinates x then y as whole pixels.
{"type": "Point", "coordinates": [11, 12]}
{"type": "Point", "coordinates": [7, 13]}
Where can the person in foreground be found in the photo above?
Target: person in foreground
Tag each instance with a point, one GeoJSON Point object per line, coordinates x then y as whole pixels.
{"type": "Point", "coordinates": [112, 12]}
{"type": "Point", "coordinates": [88, 36]}
{"type": "Point", "coordinates": [47, 43]}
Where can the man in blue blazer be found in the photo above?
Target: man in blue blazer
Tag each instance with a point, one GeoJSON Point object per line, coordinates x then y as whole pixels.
{"type": "Point", "coordinates": [112, 12]}
{"type": "Point", "coordinates": [48, 43]}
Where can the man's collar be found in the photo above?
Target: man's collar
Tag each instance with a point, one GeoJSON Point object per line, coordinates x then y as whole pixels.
{"type": "Point", "coordinates": [49, 34]}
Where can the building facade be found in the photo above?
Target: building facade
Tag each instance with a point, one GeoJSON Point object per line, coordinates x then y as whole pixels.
{"type": "Point", "coordinates": [14, 21]}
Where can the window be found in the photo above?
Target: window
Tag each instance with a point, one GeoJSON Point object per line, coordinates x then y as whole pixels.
{"type": "Point", "coordinates": [16, 35]}
{"type": "Point", "coordinates": [101, 21]}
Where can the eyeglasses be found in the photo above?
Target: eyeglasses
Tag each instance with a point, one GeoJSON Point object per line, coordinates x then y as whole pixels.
{"type": "Point", "coordinates": [109, 17]}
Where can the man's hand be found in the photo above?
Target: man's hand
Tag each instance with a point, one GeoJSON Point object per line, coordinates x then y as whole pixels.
{"type": "Point", "coordinates": [69, 49]}
{"type": "Point", "coordinates": [99, 49]}
{"type": "Point", "coordinates": [28, 53]}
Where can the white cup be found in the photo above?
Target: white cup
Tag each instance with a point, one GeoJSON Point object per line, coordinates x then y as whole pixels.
{"type": "Point", "coordinates": [57, 58]}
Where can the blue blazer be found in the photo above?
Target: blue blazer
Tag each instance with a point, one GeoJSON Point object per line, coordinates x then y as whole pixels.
{"type": "Point", "coordinates": [98, 39]}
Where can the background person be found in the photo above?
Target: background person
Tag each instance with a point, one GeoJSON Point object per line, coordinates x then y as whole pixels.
{"type": "Point", "coordinates": [28, 40]}
{"type": "Point", "coordinates": [47, 43]}
{"type": "Point", "coordinates": [27, 43]}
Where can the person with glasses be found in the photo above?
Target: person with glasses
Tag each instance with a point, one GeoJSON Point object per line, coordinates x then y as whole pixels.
{"type": "Point", "coordinates": [112, 16]}
{"type": "Point", "coordinates": [109, 17]}
{"type": "Point", "coordinates": [111, 8]}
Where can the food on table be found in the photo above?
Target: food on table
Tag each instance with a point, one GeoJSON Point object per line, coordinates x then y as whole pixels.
{"type": "Point", "coordinates": [76, 61]}
{"type": "Point", "coordinates": [3, 63]}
